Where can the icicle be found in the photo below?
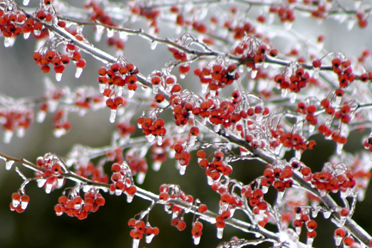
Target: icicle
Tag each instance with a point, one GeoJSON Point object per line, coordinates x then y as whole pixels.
{"type": "Point", "coordinates": [153, 45]}
{"type": "Point", "coordinates": [315, 212]}
{"type": "Point", "coordinates": [110, 33]}
{"type": "Point", "coordinates": [254, 74]}
{"type": "Point", "coordinates": [210, 180]}
{"type": "Point", "coordinates": [309, 242]}
{"type": "Point", "coordinates": [284, 93]}
{"type": "Point", "coordinates": [196, 240]}
{"type": "Point", "coordinates": [40, 182]}
{"type": "Point", "coordinates": [316, 73]}
{"type": "Point", "coordinates": [159, 140]}
{"type": "Point", "coordinates": [156, 165]}
{"type": "Point", "coordinates": [264, 189]}
{"type": "Point", "coordinates": [8, 134]}
{"type": "Point", "coordinates": [131, 93]}
{"type": "Point", "coordinates": [26, 35]}
{"type": "Point", "coordinates": [21, 132]}
{"type": "Point", "coordinates": [25, 2]}
{"type": "Point", "coordinates": [37, 32]}
{"type": "Point", "coordinates": [60, 182]}
{"type": "Point", "coordinates": [59, 77]}
{"type": "Point", "coordinates": [149, 238]}
{"type": "Point", "coordinates": [99, 33]}
{"type": "Point", "coordinates": [135, 243]}
{"type": "Point", "coordinates": [311, 129]}
{"type": "Point", "coordinates": [182, 170]}
{"type": "Point", "coordinates": [78, 72]}
{"type": "Point", "coordinates": [350, 24]}
{"type": "Point", "coordinates": [9, 164]}
{"type": "Point", "coordinates": [15, 203]}
{"type": "Point", "coordinates": [338, 240]}
{"type": "Point", "coordinates": [150, 137]}
{"type": "Point", "coordinates": [298, 154]}
{"type": "Point", "coordinates": [292, 97]}
{"type": "Point", "coordinates": [217, 128]}
{"type": "Point", "coordinates": [181, 129]}
{"type": "Point", "coordinates": [279, 197]}
{"type": "Point", "coordinates": [298, 230]}
{"type": "Point", "coordinates": [219, 232]}
{"type": "Point", "coordinates": [129, 198]}
{"type": "Point", "coordinates": [24, 204]}
{"type": "Point", "coordinates": [327, 214]}
{"type": "Point", "coordinates": [167, 208]}
{"type": "Point", "coordinates": [119, 91]}
{"type": "Point", "coordinates": [118, 192]}
{"type": "Point", "coordinates": [204, 88]}
{"type": "Point", "coordinates": [155, 88]}
{"type": "Point", "coordinates": [141, 177]}
{"type": "Point", "coordinates": [40, 116]}
{"type": "Point", "coordinates": [339, 148]}
{"type": "Point", "coordinates": [123, 36]}
{"type": "Point", "coordinates": [192, 140]}
{"type": "Point", "coordinates": [58, 132]}
{"type": "Point", "coordinates": [112, 115]}
{"type": "Point", "coordinates": [9, 41]}
{"type": "Point", "coordinates": [48, 188]}
{"type": "Point", "coordinates": [182, 76]}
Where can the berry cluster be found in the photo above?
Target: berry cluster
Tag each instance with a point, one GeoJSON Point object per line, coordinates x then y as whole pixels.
{"type": "Point", "coordinates": [152, 129]}
{"type": "Point", "coordinates": [17, 119]}
{"type": "Point", "coordinates": [302, 217]}
{"type": "Point", "coordinates": [122, 181]}
{"type": "Point", "coordinates": [216, 76]}
{"type": "Point", "coordinates": [19, 202]}
{"type": "Point", "coordinates": [96, 174]}
{"type": "Point", "coordinates": [52, 169]}
{"type": "Point", "coordinates": [216, 168]}
{"type": "Point", "coordinates": [77, 207]}
{"type": "Point", "coordinates": [140, 229]}
{"type": "Point", "coordinates": [10, 24]}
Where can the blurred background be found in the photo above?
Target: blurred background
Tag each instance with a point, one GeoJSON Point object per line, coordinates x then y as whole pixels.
{"type": "Point", "coordinates": [39, 226]}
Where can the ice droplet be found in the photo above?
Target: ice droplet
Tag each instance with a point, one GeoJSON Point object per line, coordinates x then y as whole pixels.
{"type": "Point", "coordinates": [8, 134]}
{"type": "Point", "coordinates": [196, 240]}
{"type": "Point", "coordinates": [131, 93]}
{"type": "Point", "coordinates": [182, 170]}
{"type": "Point", "coordinates": [219, 232]}
{"type": "Point", "coordinates": [37, 32]}
{"type": "Point", "coordinates": [78, 72]}
{"type": "Point", "coordinates": [217, 128]}
{"type": "Point", "coordinates": [153, 45]}
{"type": "Point", "coordinates": [140, 177]}
{"type": "Point", "coordinates": [26, 35]}
{"type": "Point", "coordinates": [112, 115]}
{"type": "Point", "coordinates": [58, 76]}
{"type": "Point", "coordinates": [25, 2]}
{"type": "Point", "coordinates": [284, 92]}
{"type": "Point", "coordinates": [15, 203]}
{"type": "Point", "coordinates": [156, 165]}
{"type": "Point", "coordinates": [182, 76]}
{"type": "Point", "coordinates": [8, 164]}
{"type": "Point", "coordinates": [350, 24]}
{"type": "Point", "coordinates": [58, 132]}
{"type": "Point", "coordinates": [135, 243]}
